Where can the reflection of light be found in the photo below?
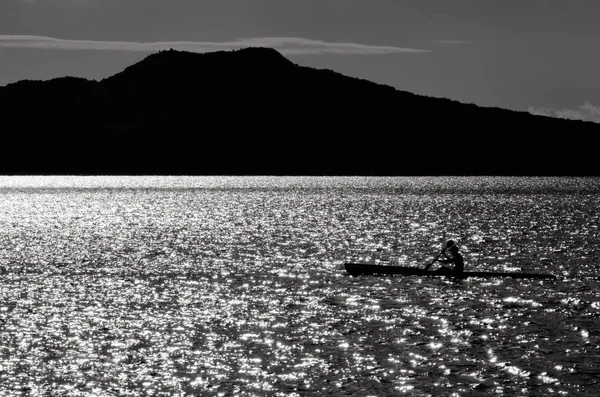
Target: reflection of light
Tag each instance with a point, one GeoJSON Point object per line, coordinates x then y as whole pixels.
{"type": "Point", "coordinates": [245, 337]}
{"type": "Point", "coordinates": [585, 335]}
{"type": "Point", "coordinates": [511, 369]}
{"type": "Point", "coordinates": [516, 300]}
{"type": "Point", "coordinates": [405, 388]}
{"type": "Point", "coordinates": [128, 317]}
{"type": "Point", "coordinates": [547, 379]}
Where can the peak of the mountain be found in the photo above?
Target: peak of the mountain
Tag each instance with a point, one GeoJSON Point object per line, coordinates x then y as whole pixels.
{"type": "Point", "coordinates": [171, 66]}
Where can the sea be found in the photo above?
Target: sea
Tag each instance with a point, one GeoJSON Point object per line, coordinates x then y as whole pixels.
{"type": "Point", "coordinates": [235, 286]}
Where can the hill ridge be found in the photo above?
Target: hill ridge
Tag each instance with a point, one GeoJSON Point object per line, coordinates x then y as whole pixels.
{"type": "Point", "coordinates": [252, 111]}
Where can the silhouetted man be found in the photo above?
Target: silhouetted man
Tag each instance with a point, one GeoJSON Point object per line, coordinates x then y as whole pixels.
{"type": "Point", "coordinates": [456, 259]}
{"type": "Point", "coordinates": [449, 244]}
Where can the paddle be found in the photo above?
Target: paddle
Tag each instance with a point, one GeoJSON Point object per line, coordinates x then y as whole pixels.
{"type": "Point", "coordinates": [449, 244]}
{"type": "Point", "coordinates": [433, 261]}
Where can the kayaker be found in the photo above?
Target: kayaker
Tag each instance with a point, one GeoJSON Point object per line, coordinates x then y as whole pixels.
{"type": "Point", "coordinates": [449, 244]}
{"type": "Point", "coordinates": [455, 258]}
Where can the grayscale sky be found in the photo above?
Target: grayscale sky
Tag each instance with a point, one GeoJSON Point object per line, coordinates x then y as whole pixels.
{"type": "Point", "coordinates": [536, 55]}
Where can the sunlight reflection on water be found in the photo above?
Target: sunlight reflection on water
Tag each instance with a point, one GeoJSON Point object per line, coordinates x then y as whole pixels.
{"type": "Point", "coordinates": [219, 286]}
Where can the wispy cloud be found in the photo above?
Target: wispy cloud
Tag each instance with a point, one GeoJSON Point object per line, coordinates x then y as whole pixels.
{"type": "Point", "coordinates": [455, 42]}
{"type": "Point", "coordinates": [585, 112]}
{"type": "Point", "coordinates": [285, 45]}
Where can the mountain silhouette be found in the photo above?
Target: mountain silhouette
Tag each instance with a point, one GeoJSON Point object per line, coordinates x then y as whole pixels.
{"type": "Point", "coordinates": [253, 111]}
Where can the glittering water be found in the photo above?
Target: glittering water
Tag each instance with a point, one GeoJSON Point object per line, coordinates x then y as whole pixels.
{"type": "Point", "coordinates": [134, 286]}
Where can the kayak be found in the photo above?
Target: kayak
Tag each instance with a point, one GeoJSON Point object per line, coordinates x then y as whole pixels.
{"type": "Point", "coordinates": [356, 269]}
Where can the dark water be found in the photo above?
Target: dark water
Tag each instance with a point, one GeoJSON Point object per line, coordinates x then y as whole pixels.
{"type": "Point", "coordinates": [235, 286]}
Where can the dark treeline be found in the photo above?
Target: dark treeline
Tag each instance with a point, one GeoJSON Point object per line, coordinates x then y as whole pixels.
{"type": "Point", "coordinates": [253, 111]}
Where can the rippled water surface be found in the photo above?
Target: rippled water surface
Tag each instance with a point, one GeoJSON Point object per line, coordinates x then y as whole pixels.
{"type": "Point", "coordinates": [216, 286]}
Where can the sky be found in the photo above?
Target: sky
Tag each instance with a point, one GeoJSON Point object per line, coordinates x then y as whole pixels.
{"type": "Point", "coordinates": [541, 56]}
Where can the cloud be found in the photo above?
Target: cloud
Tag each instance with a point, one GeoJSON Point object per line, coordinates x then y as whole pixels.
{"type": "Point", "coordinates": [585, 112]}
{"type": "Point", "coordinates": [285, 45]}
{"type": "Point", "coordinates": [455, 42]}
